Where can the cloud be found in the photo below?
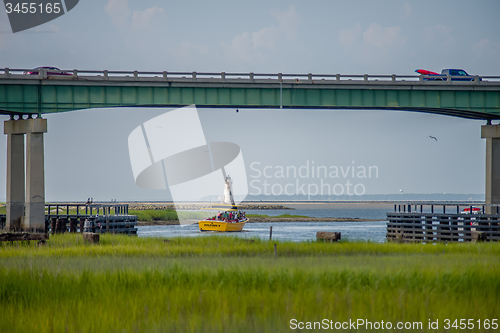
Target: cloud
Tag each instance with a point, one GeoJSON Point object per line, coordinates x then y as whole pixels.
{"type": "Point", "coordinates": [143, 19]}
{"type": "Point", "coordinates": [256, 47]}
{"type": "Point", "coordinates": [4, 26]}
{"type": "Point", "coordinates": [406, 9]}
{"type": "Point", "coordinates": [348, 37]}
{"type": "Point", "coordinates": [382, 36]}
{"type": "Point", "coordinates": [47, 28]}
{"type": "Point", "coordinates": [288, 21]}
{"type": "Point", "coordinates": [119, 12]}
{"type": "Point", "coordinates": [439, 34]}
{"type": "Point", "coordinates": [486, 48]}
{"type": "Point", "coordinates": [373, 47]}
{"type": "Point", "coordinates": [265, 37]}
{"type": "Point", "coordinates": [375, 35]}
{"type": "Point", "coordinates": [242, 48]}
{"type": "Point", "coordinates": [187, 53]}
{"type": "Point", "coordinates": [122, 16]}
{"type": "Point", "coordinates": [375, 40]}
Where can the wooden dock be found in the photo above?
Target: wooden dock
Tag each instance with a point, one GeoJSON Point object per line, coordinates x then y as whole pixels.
{"type": "Point", "coordinates": [443, 222]}
{"type": "Point", "coordinates": [96, 218]}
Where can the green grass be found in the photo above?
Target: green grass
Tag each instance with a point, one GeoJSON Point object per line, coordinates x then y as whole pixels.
{"type": "Point", "coordinates": [228, 284]}
{"type": "Point", "coordinates": [155, 215]}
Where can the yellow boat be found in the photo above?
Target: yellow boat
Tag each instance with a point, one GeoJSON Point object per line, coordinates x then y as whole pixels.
{"type": "Point", "coordinates": [227, 205]}
{"type": "Point", "coordinates": [213, 225]}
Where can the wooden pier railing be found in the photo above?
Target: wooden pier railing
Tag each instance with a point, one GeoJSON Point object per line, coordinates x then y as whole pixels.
{"type": "Point", "coordinates": [443, 222]}
{"type": "Point", "coordinates": [95, 218]}
{"type": "Point", "coordinates": [79, 217]}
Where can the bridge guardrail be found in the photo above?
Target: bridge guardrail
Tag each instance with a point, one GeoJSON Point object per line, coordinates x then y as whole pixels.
{"type": "Point", "coordinates": [105, 75]}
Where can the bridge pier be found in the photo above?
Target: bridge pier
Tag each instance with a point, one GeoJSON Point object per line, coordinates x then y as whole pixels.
{"type": "Point", "coordinates": [35, 181]}
{"type": "Point", "coordinates": [492, 189]}
{"type": "Point", "coordinates": [25, 213]}
{"type": "Point", "coordinates": [15, 182]}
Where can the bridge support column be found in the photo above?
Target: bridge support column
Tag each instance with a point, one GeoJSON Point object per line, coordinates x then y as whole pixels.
{"type": "Point", "coordinates": [492, 189]}
{"type": "Point", "coordinates": [34, 215]}
{"type": "Point", "coordinates": [35, 182]}
{"type": "Point", "coordinates": [15, 181]}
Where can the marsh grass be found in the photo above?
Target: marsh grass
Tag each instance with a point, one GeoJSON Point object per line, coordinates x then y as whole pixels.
{"type": "Point", "coordinates": [155, 215]}
{"type": "Point", "coordinates": [227, 284]}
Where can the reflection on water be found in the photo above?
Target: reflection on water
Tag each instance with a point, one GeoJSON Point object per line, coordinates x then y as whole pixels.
{"type": "Point", "coordinates": [292, 231]}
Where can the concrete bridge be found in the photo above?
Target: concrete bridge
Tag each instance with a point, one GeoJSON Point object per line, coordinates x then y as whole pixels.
{"type": "Point", "coordinates": [42, 93]}
{"type": "Point", "coordinates": [26, 97]}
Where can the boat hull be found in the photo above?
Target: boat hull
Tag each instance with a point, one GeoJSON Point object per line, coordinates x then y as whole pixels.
{"type": "Point", "coordinates": [220, 226]}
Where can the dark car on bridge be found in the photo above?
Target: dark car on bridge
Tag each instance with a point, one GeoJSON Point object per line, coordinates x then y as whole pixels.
{"type": "Point", "coordinates": [50, 71]}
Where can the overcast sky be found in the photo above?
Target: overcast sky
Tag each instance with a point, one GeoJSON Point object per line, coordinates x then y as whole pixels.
{"type": "Point", "coordinates": [87, 153]}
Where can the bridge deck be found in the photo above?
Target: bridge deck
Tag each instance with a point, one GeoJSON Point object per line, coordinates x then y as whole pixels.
{"type": "Point", "coordinates": [477, 99]}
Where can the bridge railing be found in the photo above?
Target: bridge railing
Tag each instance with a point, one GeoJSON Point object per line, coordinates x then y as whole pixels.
{"type": "Point", "coordinates": [105, 75]}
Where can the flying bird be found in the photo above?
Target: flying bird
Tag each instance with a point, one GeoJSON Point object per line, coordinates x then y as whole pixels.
{"type": "Point", "coordinates": [433, 137]}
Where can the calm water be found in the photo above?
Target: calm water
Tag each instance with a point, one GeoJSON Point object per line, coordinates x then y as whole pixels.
{"type": "Point", "coordinates": [293, 231]}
